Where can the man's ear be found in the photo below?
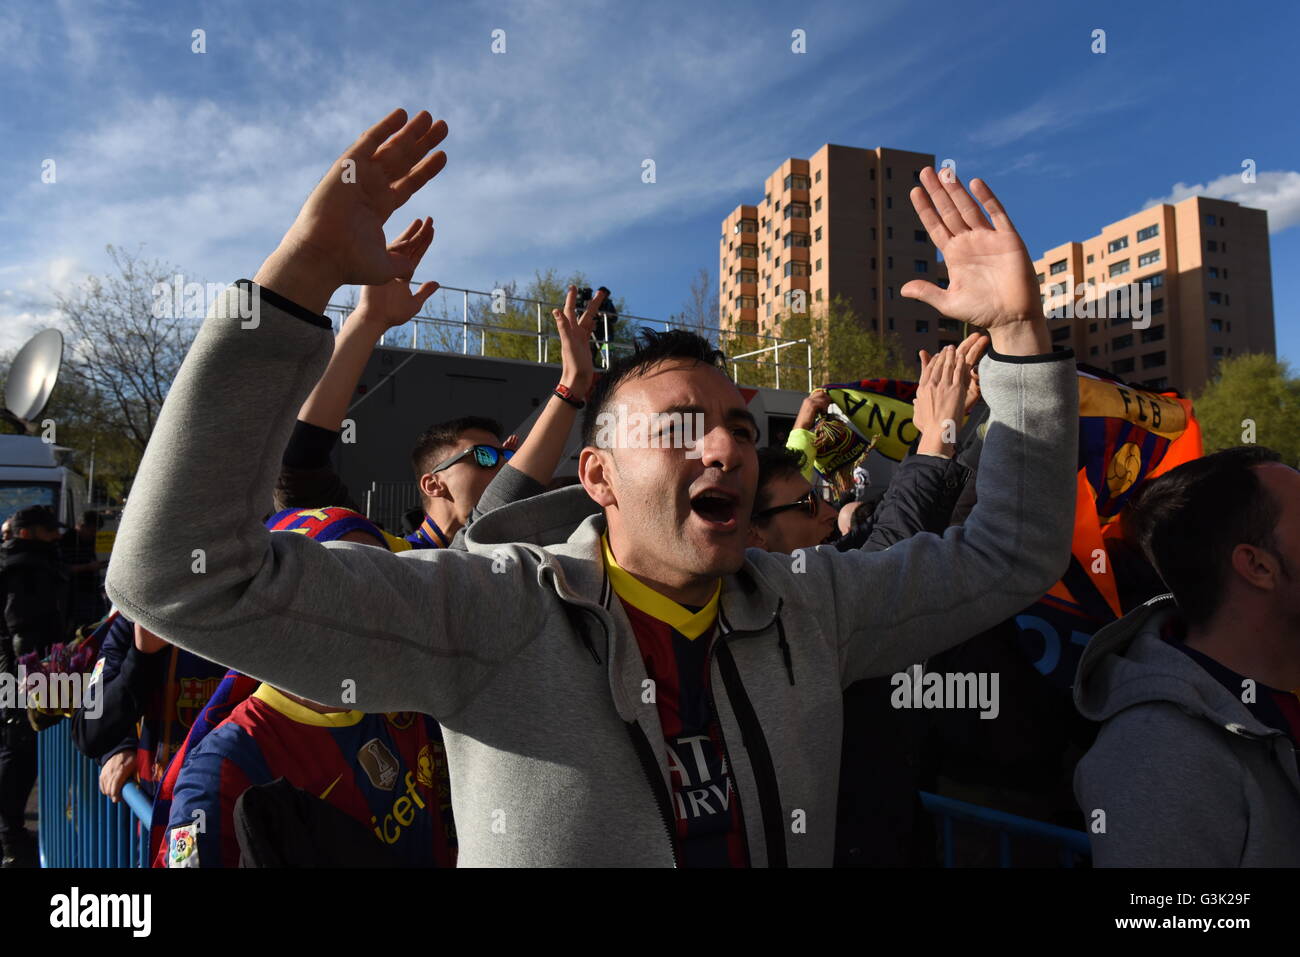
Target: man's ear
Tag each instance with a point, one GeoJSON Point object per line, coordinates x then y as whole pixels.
{"type": "Point", "coordinates": [431, 487]}
{"type": "Point", "coordinates": [1257, 566]}
{"type": "Point", "coordinates": [756, 539]}
{"type": "Point", "coordinates": [594, 471]}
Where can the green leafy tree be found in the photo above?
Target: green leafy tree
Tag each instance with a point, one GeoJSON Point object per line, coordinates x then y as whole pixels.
{"type": "Point", "coordinates": [1254, 390]}
{"type": "Point", "coordinates": [843, 349]}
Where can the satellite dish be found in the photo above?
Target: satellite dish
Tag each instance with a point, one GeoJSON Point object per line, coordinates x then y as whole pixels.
{"type": "Point", "coordinates": [32, 375]}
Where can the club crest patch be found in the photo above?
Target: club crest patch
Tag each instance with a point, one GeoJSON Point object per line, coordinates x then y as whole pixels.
{"type": "Point", "coordinates": [182, 847]}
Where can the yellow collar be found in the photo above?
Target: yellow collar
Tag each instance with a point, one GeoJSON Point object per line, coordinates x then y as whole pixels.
{"type": "Point", "coordinates": [304, 715]}
{"type": "Point", "coordinates": [642, 596]}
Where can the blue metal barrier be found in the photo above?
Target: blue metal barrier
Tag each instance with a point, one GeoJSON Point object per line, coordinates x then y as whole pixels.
{"type": "Point", "coordinates": [79, 827]}
{"type": "Point", "coordinates": [1072, 846]}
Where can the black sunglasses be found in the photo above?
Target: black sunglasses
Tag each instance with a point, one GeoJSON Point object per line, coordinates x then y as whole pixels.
{"type": "Point", "coordinates": [810, 501]}
{"type": "Point", "coordinates": [485, 456]}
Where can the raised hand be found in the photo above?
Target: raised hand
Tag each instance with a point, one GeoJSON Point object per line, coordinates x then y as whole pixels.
{"type": "Point", "coordinates": [575, 336]}
{"type": "Point", "coordinates": [991, 277]}
{"type": "Point", "coordinates": [392, 303]}
{"type": "Point", "coordinates": [338, 237]}
{"type": "Point", "coordinates": [941, 395]}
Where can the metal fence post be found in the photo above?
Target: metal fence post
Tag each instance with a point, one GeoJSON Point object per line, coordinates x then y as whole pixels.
{"type": "Point", "coordinates": [464, 345]}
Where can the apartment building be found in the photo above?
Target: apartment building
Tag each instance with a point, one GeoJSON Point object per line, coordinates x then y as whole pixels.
{"type": "Point", "coordinates": [1203, 265]}
{"type": "Point", "coordinates": [839, 223]}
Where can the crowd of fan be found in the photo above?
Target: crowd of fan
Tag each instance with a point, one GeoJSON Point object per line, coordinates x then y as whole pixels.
{"type": "Point", "coordinates": [1187, 769]}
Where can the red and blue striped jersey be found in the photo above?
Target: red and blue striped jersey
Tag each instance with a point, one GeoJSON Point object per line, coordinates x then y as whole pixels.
{"type": "Point", "coordinates": [387, 771]}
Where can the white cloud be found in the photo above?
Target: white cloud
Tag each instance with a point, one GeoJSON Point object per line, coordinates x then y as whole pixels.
{"type": "Point", "coordinates": [1277, 191]}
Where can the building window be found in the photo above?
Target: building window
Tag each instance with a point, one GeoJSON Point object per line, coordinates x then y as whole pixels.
{"type": "Point", "coordinates": [1091, 257]}
{"type": "Point", "coordinates": [1092, 327]}
{"type": "Point", "coordinates": [797, 240]}
{"type": "Point", "coordinates": [1116, 245]}
{"type": "Point", "coordinates": [1158, 383]}
{"type": "Point", "coordinates": [1218, 352]}
{"type": "Point", "coordinates": [796, 269]}
{"type": "Point", "coordinates": [796, 210]}
{"type": "Point", "coordinates": [1146, 259]}
{"type": "Point", "coordinates": [873, 234]}
{"type": "Point", "coordinates": [1057, 267]}
{"type": "Point", "coordinates": [920, 265]}
{"type": "Point", "coordinates": [1040, 278]}
{"type": "Point", "coordinates": [1093, 350]}
{"type": "Point", "coordinates": [1122, 365]}
{"type": "Point", "coordinates": [1210, 219]}
{"type": "Point", "coordinates": [1216, 299]}
{"type": "Point", "coordinates": [748, 302]}
{"type": "Point", "coordinates": [875, 324]}
{"type": "Point", "coordinates": [920, 236]}
{"type": "Point", "coordinates": [1119, 268]}
{"type": "Point", "coordinates": [1213, 272]}
{"type": "Point", "coordinates": [1122, 342]}
{"type": "Point", "coordinates": [889, 172]}
{"type": "Point", "coordinates": [1154, 334]}
{"type": "Point", "coordinates": [923, 325]}
{"type": "Point", "coordinates": [1057, 289]}
{"type": "Point", "coordinates": [748, 275]}
{"type": "Point", "coordinates": [889, 232]}
{"type": "Point", "coordinates": [1156, 281]}
{"type": "Point", "coordinates": [748, 252]}
{"type": "Point", "coordinates": [796, 181]}
{"type": "Point", "coordinates": [817, 177]}
{"type": "Point", "coordinates": [873, 294]}
{"type": "Point", "coordinates": [1216, 325]}
{"type": "Point", "coordinates": [873, 263]}
{"type": "Point", "coordinates": [817, 234]}
{"type": "Point", "coordinates": [889, 290]}
{"type": "Point", "coordinates": [873, 202]}
{"type": "Point", "coordinates": [916, 176]}
{"type": "Point", "coordinates": [1211, 246]}
{"type": "Point", "coordinates": [817, 204]}
{"type": "Point", "coordinates": [891, 323]}
{"type": "Point", "coordinates": [1153, 360]}
{"type": "Point", "coordinates": [1061, 334]}
{"type": "Point", "coordinates": [889, 262]}
{"type": "Point", "coordinates": [1151, 232]}
{"type": "Point", "coordinates": [819, 265]}
{"type": "Point", "coordinates": [889, 202]}
{"type": "Point", "coordinates": [818, 295]}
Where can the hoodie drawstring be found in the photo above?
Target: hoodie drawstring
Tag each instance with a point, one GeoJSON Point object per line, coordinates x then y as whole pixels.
{"type": "Point", "coordinates": [784, 646]}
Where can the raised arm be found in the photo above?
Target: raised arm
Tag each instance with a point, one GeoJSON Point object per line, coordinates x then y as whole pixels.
{"type": "Point", "coordinates": [928, 593]}
{"type": "Point", "coordinates": [338, 623]}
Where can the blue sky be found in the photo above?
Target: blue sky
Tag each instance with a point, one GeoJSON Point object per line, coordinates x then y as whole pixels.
{"type": "Point", "coordinates": [204, 158]}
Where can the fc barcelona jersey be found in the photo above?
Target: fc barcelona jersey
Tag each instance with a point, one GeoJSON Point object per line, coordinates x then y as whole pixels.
{"type": "Point", "coordinates": [674, 643]}
{"type": "Point", "coordinates": [386, 771]}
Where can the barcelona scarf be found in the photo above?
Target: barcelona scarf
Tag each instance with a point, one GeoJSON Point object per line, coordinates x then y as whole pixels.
{"type": "Point", "coordinates": [879, 407]}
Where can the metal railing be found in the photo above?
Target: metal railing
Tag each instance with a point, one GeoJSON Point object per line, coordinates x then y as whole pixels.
{"type": "Point", "coordinates": [79, 827]}
{"type": "Point", "coordinates": [1071, 846]}
{"type": "Point", "coordinates": [436, 330]}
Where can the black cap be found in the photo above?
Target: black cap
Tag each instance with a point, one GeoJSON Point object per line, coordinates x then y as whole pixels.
{"type": "Point", "coordinates": [34, 516]}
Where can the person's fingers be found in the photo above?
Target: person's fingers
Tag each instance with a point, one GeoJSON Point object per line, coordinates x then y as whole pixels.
{"type": "Point", "coordinates": [400, 153]}
{"type": "Point", "coordinates": [967, 208]}
{"type": "Point", "coordinates": [561, 323]}
{"type": "Point", "coordinates": [930, 219]}
{"type": "Point", "coordinates": [571, 301]}
{"type": "Point", "coordinates": [424, 292]}
{"type": "Point", "coordinates": [927, 292]}
{"type": "Point", "coordinates": [408, 233]}
{"type": "Point", "coordinates": [427, 169]}
{"type": "Point", "coordinates": [926, 358]}
{"type": "Point", "coordinates": [373, 138]}
{"type": "Point", "coordinates": [947, 209]}
{"type": "Point", "coordinates": [991, 204]}
{"type": "Point", "coordinates": [971, 349]}
{"type": "Point", "coordinates": [435, 135]}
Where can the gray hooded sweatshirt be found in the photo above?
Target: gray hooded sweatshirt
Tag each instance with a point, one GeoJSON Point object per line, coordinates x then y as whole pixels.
{"type": "Point", "coordinates": [1184, 773]}
{"type": "Point", "coordinates": [516, 645]}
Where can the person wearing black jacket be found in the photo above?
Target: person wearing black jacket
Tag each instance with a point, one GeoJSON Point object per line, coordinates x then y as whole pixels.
{"type": "Point", "coordinates": [35, 596]}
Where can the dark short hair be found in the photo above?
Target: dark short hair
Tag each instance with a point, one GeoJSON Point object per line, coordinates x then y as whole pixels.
{"type": "Point", "coordinates": [433, 445]}
{"type": "Point", "coordinates": [1189, 520]}
{"type": "Point", "coordinates": [652, 348]}
{"type": "Point", "coordinates": [775, 462]}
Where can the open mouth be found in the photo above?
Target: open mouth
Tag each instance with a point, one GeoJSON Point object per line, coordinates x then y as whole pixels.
{"type": "Point", "coordinates": [716, 509]}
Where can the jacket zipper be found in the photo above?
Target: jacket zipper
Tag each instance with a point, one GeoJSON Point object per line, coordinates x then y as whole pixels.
{"type": "Point", "coordinates": [726, 752]}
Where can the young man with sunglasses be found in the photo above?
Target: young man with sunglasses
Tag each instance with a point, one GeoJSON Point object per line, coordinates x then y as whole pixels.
{"type": "Point", "coordinates": [560, 743]}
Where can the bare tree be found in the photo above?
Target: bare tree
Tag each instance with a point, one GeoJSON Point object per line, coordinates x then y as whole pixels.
{"type": "Point", "coordinates": [700, 310]}
{"type": "Point", "coordinates": [128, 332]}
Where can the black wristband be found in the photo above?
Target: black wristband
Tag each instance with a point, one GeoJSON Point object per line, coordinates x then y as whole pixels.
{"type": "Point", "coordinates": [564, 395]}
